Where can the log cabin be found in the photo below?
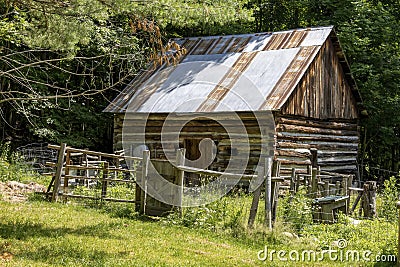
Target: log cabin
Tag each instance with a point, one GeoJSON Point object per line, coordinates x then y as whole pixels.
{"type": "Point", "coordinates": [292, 90]}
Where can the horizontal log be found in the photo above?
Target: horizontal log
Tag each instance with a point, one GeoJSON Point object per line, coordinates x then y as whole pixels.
{"type": "Point", "coordinates": [352, 126]}
{"type": "Point", "coordinates": [324, 160]}
{"type": "Point", "coordinates": [294, 162]}
{"type": "Point", "coordinates": [292, 145]}
{"type": "Point", "coordinates": [316, 137]}
{"type": "Point", "coordinates": [329, 153]}
{"type": "Point", "coordinates": [340, 169]}
{"type": "Point", "coordinates": [321, 145]}
{"type": "Point", "coordinates": [337, 163]}
{"type": "Point", "coordinates": [314, 130]}
{"type": "Point", "coordinates": [292, 153]}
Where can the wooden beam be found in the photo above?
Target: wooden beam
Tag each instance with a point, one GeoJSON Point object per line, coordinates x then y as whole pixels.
{"type": "Point", "coordinates": [57, 177]}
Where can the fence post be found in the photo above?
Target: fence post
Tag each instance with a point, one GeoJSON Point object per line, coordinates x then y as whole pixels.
{"type": "Point", "coordinates": [256, 195]}
{"type": "Point", "coordinates": [307, 181]}
{"type": "Point", "coordinates": [276, 166]}
{"type": "Point", "coordinates": [268, 184]}
{"type": "Point", "coordinates": [326, 189]}
{"type": "Point", "coordinates": [368, 201]}
{"type": "Point", "coordinates": [104, 180]}
{"type": "Point", "coordinates": [66, 173]}
{"type": "Point", "coordinates": [145, 170]}
{"type": "Point", "coordinates": [87, 173]}
{"type": "Point", "coordinates": [180, 161]}
{"type": "Point", "coordinates": [349, 182]}
{"type": "Point", "coordinates": [57, 177]}
{"type": "Point", "coordinates": [337, 188]}
{"type": "Point", "coordinates": [314, 183]}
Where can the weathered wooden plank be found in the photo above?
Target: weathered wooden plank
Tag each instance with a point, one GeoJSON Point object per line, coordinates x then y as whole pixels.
{"type": "Point", "coordinates": [308, 122]}
{"type": "Point", "coordinates": [93, 153]}
{"type": "Point", "coordinates": [57, 177]}
{"type": "Point", "coordinates": [292, 153]}
{"type": "Point", "coordinates": [329, 95]}
{"type": "Point", "coordinates": [294, 137]}
{"type": "Point", "coordinates": [314, 130]}
{"type": "Point", "coordinates": [292, 145]}
{"type": "Point", "coordinates": [256, 196]}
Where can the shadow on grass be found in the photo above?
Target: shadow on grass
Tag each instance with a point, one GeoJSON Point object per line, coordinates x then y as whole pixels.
{"type": "Point", "coordinates": [22, 230]}
{"type": "Point", "coordinates": [66, 255]}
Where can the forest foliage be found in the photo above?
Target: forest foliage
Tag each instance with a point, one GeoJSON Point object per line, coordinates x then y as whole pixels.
{"type": "Point", "coordinates": [63, 61]}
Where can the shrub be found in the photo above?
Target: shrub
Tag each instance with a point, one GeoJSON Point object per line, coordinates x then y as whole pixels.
{"type": "Point", "coordinates": [390, 196]}
{"type": "Point", "coordinates": [297, 211]}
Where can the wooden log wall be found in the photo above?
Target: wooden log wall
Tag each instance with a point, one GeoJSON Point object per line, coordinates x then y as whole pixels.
{"type": "Point", "coordinates": [199, 129]}
{"type": "Point", "coordinates": [336, 142]}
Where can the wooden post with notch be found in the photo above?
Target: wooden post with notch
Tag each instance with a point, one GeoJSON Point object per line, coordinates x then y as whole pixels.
{"type": "Point", "coordinates": [145, 172]}
{"type": "Point", "coordinates": [57, 177]}
{"type": "Point", "coordinates": [180, 161]}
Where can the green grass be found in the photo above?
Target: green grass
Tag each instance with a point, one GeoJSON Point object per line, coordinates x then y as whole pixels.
{"type": "Point", "coordinates": [38, 233]}
{"type": "Point", "coordinates": [90, 233]}
{"type": "Point", "coordinates": [44, 234]}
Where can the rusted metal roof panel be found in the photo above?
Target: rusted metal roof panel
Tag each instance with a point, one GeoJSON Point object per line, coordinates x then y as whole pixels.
{"type": "Point", "coordinates": [188, 84]}
{"type": "Point", "coordinates": [223, 73]}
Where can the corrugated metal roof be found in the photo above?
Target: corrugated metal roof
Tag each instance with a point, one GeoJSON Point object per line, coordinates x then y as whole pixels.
{"type": "Point", "coordinates": [226, 73]}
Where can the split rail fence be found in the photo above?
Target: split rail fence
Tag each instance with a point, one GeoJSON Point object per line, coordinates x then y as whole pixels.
{"type": "Point", "coordinates": [83, 168]}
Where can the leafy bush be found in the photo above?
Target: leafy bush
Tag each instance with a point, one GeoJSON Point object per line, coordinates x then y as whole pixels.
{"type": "Point", "coordinates": [390, 196]}
{"type": "Point", "coordinates": [296, 210]}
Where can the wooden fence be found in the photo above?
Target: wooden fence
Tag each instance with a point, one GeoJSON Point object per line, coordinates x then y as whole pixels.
{"type": "Point", "coordinates": [75, 167]}
{"type": "Point", "coordinates": [86, 167]}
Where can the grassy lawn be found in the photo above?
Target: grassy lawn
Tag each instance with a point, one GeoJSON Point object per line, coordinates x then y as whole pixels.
{"type": "Point", "coordinates": [38, 233]}
{"type": "Point", "coordinates": [44, 234]}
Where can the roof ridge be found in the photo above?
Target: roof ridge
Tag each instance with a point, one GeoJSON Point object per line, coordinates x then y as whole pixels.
{"type": "Point", "coordinates": [251, 34]}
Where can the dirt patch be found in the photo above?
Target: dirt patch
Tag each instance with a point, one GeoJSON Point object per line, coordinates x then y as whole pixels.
{"type": "Point", "coordinates": [13, 191]}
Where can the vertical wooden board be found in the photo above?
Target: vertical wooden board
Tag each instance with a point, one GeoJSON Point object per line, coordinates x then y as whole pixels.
{"type": "Point", "coordinates": [57, 177]}
{"type": "Point", "coordinates": [329, 94]}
